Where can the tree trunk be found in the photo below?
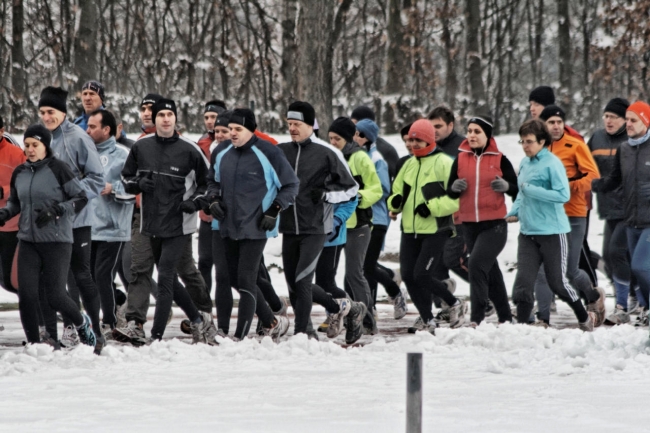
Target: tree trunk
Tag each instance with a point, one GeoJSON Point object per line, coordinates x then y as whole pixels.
{"type": "Point", "coordinates": [564, 52]}
{"type": "Point", "coordinates": [451, 87]}
{"type": "Point", "coordinates": [85, 45]}
{"type": "Point", "coordinates": [478, 100]}
{"type": "Point", "coordinates": [394, 54]}
{"type": "Point", "coordinates": [18, 75]}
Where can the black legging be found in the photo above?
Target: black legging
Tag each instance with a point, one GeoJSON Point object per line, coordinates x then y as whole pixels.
{"type": "Point", "coordinates": [328, 264]}
{"type": "Point", "coordinates": [44, 267]}
{"type": "Point", "coordinates": [105, 260]}
{"type": "Point", "coordinates": [8, 244]}
{"type": "Point", "coordinates": [375, 273]}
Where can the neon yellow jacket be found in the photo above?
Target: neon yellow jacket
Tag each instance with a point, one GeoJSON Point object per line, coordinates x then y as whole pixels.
{"type": "Point", "coordinates": [424, 180]}
{"type": "Point", "coordinates": [370, 192]}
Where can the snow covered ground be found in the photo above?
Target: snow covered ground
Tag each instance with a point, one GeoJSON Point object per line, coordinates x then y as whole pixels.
{"type": "Point", "coordinates": [493, 379]}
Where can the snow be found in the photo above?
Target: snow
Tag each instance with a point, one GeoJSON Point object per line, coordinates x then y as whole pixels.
{"type": "Point", "coordinates": [490, 379]}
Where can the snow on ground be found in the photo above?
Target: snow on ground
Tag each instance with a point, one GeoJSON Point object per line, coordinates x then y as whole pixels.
{"type": "Point", "coordinates": [492, 379]}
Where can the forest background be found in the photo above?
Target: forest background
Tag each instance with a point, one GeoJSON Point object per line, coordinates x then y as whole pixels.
{"type": "Point", "coordinates": [401, 57]}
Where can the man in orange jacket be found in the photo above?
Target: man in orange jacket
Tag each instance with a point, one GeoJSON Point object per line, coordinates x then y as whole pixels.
{"type": "Point", "coordinates": [581, 169]}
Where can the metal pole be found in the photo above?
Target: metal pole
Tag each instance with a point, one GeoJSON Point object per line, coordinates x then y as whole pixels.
{"type": "Point", "coordinates": [413, 393]}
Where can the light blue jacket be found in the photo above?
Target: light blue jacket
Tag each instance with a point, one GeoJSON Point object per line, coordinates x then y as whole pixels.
{"type": "Point", "coordinates": [380, 209]}
{"type": "Point", "coordinates": [113, 212]}
{"type": "Point", "coordinates": [73, 146]}
{"type": "Point", "coordinates": [543, 190]}
{"type": "Point", "coordinates": [343, 211]}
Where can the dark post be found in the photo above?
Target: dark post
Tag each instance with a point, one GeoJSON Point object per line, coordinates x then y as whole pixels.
{"type": "Point", "coordinates": [252, 103]}
{"type": "Point", "coordinates": [414, 393]}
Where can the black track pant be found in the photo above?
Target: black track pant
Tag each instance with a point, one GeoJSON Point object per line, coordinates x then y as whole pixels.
{"type": "Point", "coordinates": [300, 255]}
{"type": "Point", "coordinates": [8, 244]}
{"type": "Point", "coordinates": [105, 260]}
{"type": "Point", "coordinates": [206, 261]}
{"type": "Point", "coordinates": [167, 253]}
{"type": "Point", "coordinates": [421, 265]}
{"type": "Point", "coordinates": [371, 269]}
{"type": "Point", "coordinates": [552, 251]}
{"type": "Point", "coordinates": [45, 265]}
{"type": "Point", "coordinates": [244, 258]}
{"type": "Point", "coordinates": [223, 291]}
{"type": "Point", "coordinates": [328, 264]}
{"type": "Point", "coordinates": [485, 241]}
{"type": "Point", "coordinates": [80, 279]}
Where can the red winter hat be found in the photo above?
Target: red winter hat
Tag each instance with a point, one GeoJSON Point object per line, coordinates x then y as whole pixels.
{"type": "Point", "coordinates": [423, 130]}
{"type": "Point", "coordinates": [642, 110]}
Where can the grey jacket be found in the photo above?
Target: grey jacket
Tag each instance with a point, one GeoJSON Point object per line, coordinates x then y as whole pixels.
{"type": "Point", "coordinates": [35, 185]}
{"type": "Point", "coordinates": [113, 212]}
{"type": "Point", "coordinates": [73, 146]}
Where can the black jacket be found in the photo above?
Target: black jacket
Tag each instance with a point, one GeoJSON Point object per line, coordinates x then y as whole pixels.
{"type": "Point", "coordinates": [179, 170]}
{"type": "Point", "coordinates": [603, 148]}
{"type": "Point", "coordinates": [325, 179]}
{"type": "Point", "coordinates": [450, 144]}
{"type": "Point", "coordinates": [390, 156]}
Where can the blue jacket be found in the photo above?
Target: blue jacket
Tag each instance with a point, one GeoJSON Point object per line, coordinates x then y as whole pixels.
{"type": "Point", "coordinates": [380, 209]}
{"type": "Point", "coordinates": [543, 190]}
{"type": "Point", "coordinates": [343, 211]}
{"type": "Point", "coordinates": [249, 179]}
{"type": "Point", "coordinates": [113, 212]}
{"type": "Point", "coordinates": [73, 146]}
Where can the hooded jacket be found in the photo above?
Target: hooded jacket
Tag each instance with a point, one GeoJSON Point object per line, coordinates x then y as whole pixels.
{"type": "Point", "coordinates": [113, 212]}
{"type": "Point", "coordinates": [248, 179]}
{"type": "Point", "coordinates": [424, 180]}
{"type": "Point", "coordinates": [364, 173]}
{"type": "Point", "coordinates": [179, 169]}
{"type": "Point", "coordinates": [35, 185]}
{"type": "Point", "coordinates": [321, 170]}
{"type": "Point", "coordinates": [543, 190]}
{"type": "Point", "coordinates": [11, 156]}
{"type": "Point", "coordinates": [603, 148]}
{"type": "Point", "coordinates": [380, 208]}
{"type": "Point", "coordinates": [73, 146]}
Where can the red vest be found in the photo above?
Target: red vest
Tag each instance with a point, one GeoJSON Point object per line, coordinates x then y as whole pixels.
{"type": "Point", "coordinates": [479, 202]}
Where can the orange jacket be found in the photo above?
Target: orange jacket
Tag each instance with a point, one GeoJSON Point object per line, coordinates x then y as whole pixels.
{"type": "Point", "coordinates": [573, 133]}
{"type": "Point", "coordinates": [266, 137]}
{"type": "Point", "coordinates": [580, 168]}
{"type": "Point", "coordinates": [10, 157]}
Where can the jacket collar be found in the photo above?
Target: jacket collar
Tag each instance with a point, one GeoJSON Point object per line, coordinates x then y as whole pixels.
{"type": "Point", "coordinates": [167, 140]}
{"type": "Point", "coordinates": [106, 145]}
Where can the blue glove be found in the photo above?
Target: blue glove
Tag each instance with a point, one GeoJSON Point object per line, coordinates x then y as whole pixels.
{"type": "Point", "coordinates": [336, 229]}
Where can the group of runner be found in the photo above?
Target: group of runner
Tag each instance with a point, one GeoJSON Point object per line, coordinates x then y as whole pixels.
{"type": "Point", "coordinates": [82, 203]}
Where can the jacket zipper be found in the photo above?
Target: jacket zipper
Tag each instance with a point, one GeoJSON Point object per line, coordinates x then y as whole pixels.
{"type": "Point", "coordinates": [31, 200]}
{"type": "Point", "coordinates": [295, 206]}
{"type": "Point", "coordinates": [478, 174]}
{"type": "Point", "coordinates": [417, 182]}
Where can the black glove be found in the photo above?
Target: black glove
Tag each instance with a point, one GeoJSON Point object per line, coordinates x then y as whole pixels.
{"type": "Point", "coordinates": [459, 185]}
{"type": "Point", "coordinates": [316, 195]}
{"type": "Point", "coordinates": [423, 210]}
{"type": "Point", "coordinates": [500, 185]}
{"type": "Point", "coordinates": [396, 202]}
{"type": "Point", "coordinates": [188, 206]}
{"type": "Point", "coordinates": [269, 218]}
{"type": "Point", "coordinates": [147, 184]}
{"type": "Point", "coordinates": [47, 214]}
{"type": "Point", "coordinates": [336, 229]}
{"type": "Point", "coordinates": [4, 216]}
{"type": "Point", "coordinates": [217, 210]}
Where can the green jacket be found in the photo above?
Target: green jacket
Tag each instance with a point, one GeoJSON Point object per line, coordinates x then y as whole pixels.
{"type": "Point", "coordinates": [370, 192]}
{"type": "Point", "coordinates": [424, 180]}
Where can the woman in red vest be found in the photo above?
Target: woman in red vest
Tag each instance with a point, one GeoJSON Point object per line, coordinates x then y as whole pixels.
{"type": "Point", "coordinates": [480, 178]}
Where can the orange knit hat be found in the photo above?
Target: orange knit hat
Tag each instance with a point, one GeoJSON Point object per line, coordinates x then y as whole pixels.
{"type": "Point", "coordinates": [642, 110]}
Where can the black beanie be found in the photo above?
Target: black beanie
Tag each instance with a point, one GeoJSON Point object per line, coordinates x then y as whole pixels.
{"type": "Point", "coordinates": [40, 133]}
{"type": "Point", "coordinates": [542, 95]}
{"type": "Point", "coordinates": [344, 127]}
{"type": "Point", "coordinates": [405, 130]}
{"type": "Point", "coordinates": [2, 122]}
{"type": "Point", "coordinates": [215, 106]}
{"type": "Point", "coordinates": [151, 98]}
{"type": "Point", "coordinates": [363, 112]}
{"type": "Point", "coordinates": [617, 106]}
{"type": "Point", "coordinates": [163, 104]}
{"type": "Point", "coordinates": [485, 122]}
{"type": "Point", "coordinates": [54, 97]}
{"type": "Point", "coordinates": [550, 111]}
{"type": "Point", "coordinates": [302, 111]}
{"type": "Point", "coordinates": [96, 87]}
{"type": "Point", "coordinates": [244, 117]}
{"type": "Point", "coordinates": [223, 119]}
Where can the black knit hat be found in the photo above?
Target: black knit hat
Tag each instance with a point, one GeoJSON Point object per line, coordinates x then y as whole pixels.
{"type": "Point", "coordinates": [54, 97]}
{"type": "Point", "coordinates": [163, 104]}
{"type": "Point", "coordinates": [405, 130]}
{"type": "Point", "coordinates": [2, 122]}
{"type": "Point", "coordinates": [215, 106]}
{"type": "Point", "coordinates": [485, 122]}
{"type": "Point", "coordinates": [363, 112]}
{"type": "Point", "coordinates": [302, 111]}
{"type": "Point", "coordinates": [151, 98]}
{"type": "Point", "coordinates": [344, 127]}
{"type": "Point", "coordinates": [542, 95]}
{"type": "Point", "coordinates": [96, 87]}
{"type": "Point", "coordinates": [244, 117]}
{"type": "Point", "coordinates": [223, 119]}
{"type": "Point", "coordinates": [617, 106]}
{"type": "Point", "coordinates": [40, 133]}
{"type": "Point", "coordinates": [550, 111]}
